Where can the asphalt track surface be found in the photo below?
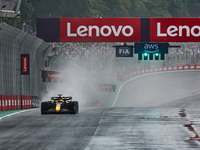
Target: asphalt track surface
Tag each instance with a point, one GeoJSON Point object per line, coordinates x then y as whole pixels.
{"type": "Point", "coordinates": [159, 111]}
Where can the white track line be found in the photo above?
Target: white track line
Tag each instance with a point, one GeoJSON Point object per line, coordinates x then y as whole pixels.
{"type": "Point", "coordinates": [142, 76]}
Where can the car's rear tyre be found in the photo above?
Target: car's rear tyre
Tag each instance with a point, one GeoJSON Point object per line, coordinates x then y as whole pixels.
{"type": "Point", "coordinates": [44, 108]}
{"type": "Point", "coordinates": [75, 107]}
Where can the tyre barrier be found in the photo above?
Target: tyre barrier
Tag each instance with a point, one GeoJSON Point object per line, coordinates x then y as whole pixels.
{"type": "Point", "coordinates": [151, 70]}
{"type": "Point", "coordinates": [15, 102]}
{"type": "Point", "coordinates": [106, 87]}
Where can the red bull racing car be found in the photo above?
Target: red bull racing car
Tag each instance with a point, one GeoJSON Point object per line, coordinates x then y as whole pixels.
{"type": "Point", "coordinates": [60, 105]}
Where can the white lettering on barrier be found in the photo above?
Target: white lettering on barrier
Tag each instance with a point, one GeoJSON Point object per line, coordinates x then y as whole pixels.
{"type": "Point", "coordinates": [197, 66]}
{"type": "Point", "coordinates": [169, 68]}
{"type": "Point", "coordinates": [178, 31]}
{"type": "Point", "coordinates": [192, 67]}
{"type": "Point", "coordinates": [165, 68]}
{"type": "Point", "coordinates": [25, 65]}
{"type": "Point", "coordinates": [84, 31]}
{"type": "Point", "coordinates": [180, 67]}
{"type": "Point", "coordinates": [186, 67]}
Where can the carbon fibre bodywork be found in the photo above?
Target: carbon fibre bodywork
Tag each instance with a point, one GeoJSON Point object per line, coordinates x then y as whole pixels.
{"type": "Point", "coordinates": [60, 105]}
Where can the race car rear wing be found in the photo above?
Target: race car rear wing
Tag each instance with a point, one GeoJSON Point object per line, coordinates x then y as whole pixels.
{"type": "Point", "coordinates": [63, 98]}
{"type": "Point", "coordinates": [67, 98]}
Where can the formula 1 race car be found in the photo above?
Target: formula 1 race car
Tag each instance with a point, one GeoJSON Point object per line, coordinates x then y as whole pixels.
{"type": "Point", "coordinates": [60, 105]}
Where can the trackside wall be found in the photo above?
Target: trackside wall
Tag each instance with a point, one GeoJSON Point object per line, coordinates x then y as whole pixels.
{"type": "Point", "coordinates": [20, 91]}
{"type": "Point", "coordinates": [159, 69]}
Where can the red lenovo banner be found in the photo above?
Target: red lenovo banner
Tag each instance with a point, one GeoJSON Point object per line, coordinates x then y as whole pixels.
{"type": "Point", "coordinates": [99, 29]}
{"type": "Point", "coordinates": [9, 102]}
{"type": "Point", "coordinates": [16, 106]}
{"type": "Point", "coordinates": [197, 66]}
{"type": "Point", "coordinates": [19, 102]}
{"type": "Point", "coordinates": [6, 102]}
{"type": "Point", "coordinates": [30, 103]}
{"type": "Point", "coordinates": [174, 29]}
{"type": "Point", "coordinates": [192, 67]}
{"type": "Point", "coordinates": [12, 102]}
{"type": "Point", "coordinates": [54, 75]}
{"type": "Point", "coordinates": [119, 29]}
{"type": "Point", "coordinates": [89, 29]}
{"type": "Point", "coordinates": [3, 103]}
{"type": "Point", "coordinates": [25, 64]}
{"type": "Point", "coordinates": [0, 102]}
{"type": "Point", "coordinates": [23, 102]}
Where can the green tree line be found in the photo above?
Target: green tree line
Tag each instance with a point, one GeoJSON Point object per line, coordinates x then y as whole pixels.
{"type": "Point", "coordinates": [32, 9]}
{"type": "Point", "coordinates": [115, 8]}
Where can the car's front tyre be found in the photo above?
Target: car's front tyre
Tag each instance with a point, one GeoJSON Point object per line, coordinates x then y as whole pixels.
{"type": "Point", "coordinates": [44, 108]}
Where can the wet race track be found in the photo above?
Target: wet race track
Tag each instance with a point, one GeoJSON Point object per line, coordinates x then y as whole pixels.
{"type": "Point", "coordinates": [159, 111]}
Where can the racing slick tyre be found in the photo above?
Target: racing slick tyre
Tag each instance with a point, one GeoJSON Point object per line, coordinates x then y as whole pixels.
{"type": "Point", "coordinates": [44, 108]}
{"type": "Point", "coordinates": [77, 107]}
{"type": "Point", "coordinates": [74, 107]}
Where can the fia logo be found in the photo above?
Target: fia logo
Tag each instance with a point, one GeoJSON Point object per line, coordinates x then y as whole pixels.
{"type": "Point", "coordinates": [124, 51]}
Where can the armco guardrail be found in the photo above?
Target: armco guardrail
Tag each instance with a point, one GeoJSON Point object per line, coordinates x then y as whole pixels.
{"type": "Point", "coordinates": [151, 70]}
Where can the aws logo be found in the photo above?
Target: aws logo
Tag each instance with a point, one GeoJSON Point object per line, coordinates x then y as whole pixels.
{"type": "Point", "coordinates": [151, 48]}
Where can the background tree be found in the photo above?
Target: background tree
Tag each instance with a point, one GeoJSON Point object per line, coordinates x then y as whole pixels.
{"type": "Point", "coordinates": [32, 9]}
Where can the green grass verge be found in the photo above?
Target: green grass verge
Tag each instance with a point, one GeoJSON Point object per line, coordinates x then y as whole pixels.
{"type": "Point", "coordinates": [4, 113]}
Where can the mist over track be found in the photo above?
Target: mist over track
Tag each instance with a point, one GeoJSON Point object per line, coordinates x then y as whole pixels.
{"type": "Point", "coordinates": [154, 111]}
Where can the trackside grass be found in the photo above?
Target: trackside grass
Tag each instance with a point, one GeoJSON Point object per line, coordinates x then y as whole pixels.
{"type": "Point", "coordinates": [4, 113]}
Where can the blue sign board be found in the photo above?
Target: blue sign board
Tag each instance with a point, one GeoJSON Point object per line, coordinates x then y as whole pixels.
{"type": "Point", "coordinates": [151, 48]}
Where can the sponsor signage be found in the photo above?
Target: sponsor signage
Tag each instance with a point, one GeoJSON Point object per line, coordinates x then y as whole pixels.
{"type": "Point", "coordinates": [99, 29]}
{"type": "Point", "coordinates": [25, 64]}
{"type": "Point", "coordinates": [51, 75]}
{"type": "Point", "coordinates": [124, 51]}
{"type": "Point", "coordinates": [174, 29]}
{"type": "Point", "coordinates": [119, 29]}
{"type": "Point", "coordinates": [161, 48]}
{"type": "Point", "coordinates": [54, 75]}
{"type": "Point", "coordinates": [89, 29]}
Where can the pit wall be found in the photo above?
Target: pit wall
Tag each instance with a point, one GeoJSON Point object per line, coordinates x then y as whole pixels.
{"type": "Point", "coordinates": [160, 69]}
{"type": "Point", "coordinates": [15, 102]}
